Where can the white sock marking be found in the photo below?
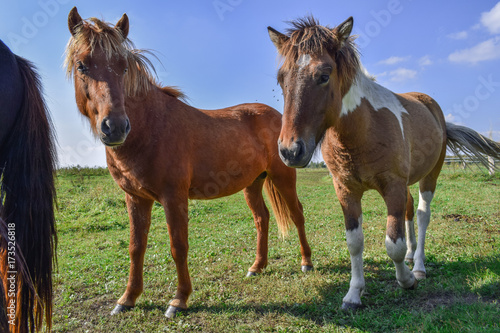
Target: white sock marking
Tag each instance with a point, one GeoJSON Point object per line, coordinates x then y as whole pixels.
{"type": "Point", "coordinates": [423, 218]}
{"type": "Point", "coordinates": [396, 252]}
{"type": "Point", "coordinates": [411, 242]}
{"type": "Point", "coordinates": [355, 244]}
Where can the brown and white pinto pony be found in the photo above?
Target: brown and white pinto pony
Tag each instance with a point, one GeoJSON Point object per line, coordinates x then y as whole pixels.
{"type": "Point", "coordinates": [158, 148]}
{"type": "Point", "coordinates": [371, 138]}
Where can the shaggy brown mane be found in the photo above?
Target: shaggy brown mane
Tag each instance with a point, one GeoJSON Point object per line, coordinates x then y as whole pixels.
{"type": "Point", "coordinates": [93, 33]}
{"type": "Point", "coordinates": [307, 36]}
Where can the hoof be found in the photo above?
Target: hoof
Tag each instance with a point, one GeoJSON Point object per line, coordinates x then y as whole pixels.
{"type": "Point", "coordinates": [351, 307]}
{"type": "Point", "coordinates": [414, 286]}
{"type": "Point", "coordinates": [419, 275]}
{"type": "Point", "coordinates": [172, 311]}
{"type": "Point", "coordinates": [251, 274]}
{"type": "Point", "coordinates": [306, 268]}
{"type": "Point", "coordinates": [121, 308]}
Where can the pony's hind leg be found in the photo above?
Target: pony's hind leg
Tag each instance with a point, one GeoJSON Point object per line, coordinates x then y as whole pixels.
{"type": "Point", "coordinates": [427, 187]}
{"type": "Point", "coordinates": [426, 194]}
{"type": "Point", "coordinates": [139, 211]}
{"type": "Point", "coordinates": [411, 242]}
{"type": "Point", "coordinates": [255, 201]}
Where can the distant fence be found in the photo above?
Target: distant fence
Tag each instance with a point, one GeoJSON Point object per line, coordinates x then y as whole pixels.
{"type": "Point", "coordinates": [462, 161]}
{"type": "Point", "coordinates": [465, 160]}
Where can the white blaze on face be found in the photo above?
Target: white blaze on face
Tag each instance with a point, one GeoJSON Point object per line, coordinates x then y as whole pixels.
{"type": "Point", "coordinates": [378, 96]}
{"type": "Point", "coordinates": [300, 84]}
{"type": "Point", "coordinates": [303, 61]}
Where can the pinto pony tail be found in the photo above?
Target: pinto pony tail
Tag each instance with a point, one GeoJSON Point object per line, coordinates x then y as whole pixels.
{"type": "Point", "coordinates": [279, 206]}
{"type": "Point", "coordinates": [27, 197]}
{"type": "Point", "coordinates": [471, 143]}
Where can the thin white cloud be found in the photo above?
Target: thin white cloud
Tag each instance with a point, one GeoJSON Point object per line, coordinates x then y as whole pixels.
{"type": "Point", "coordinates": [476, 26]}
{"type": "Point", "coordinates": [491, 19]}
{"type": "Point", "coordinates": [393, 60]}
{"type": "Point", "coordinates": [450, 118]}
{"type": "Point", "coordinates": [458, 35]}
{"type": "Point", "coordinates": [402, 74]}
{"type": "Point", "coordinates": [425, 61]}
{"type": "Point", "coordinates": [487, 50]}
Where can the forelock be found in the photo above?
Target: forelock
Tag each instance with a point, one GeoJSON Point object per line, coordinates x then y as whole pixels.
{"type": "Point", "coordinates": [307, 36]}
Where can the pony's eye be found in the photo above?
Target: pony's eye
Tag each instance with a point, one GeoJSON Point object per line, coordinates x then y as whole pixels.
{"type": "Point", "coordinates": [324, 79]}
{"type": "Point", "coordinates": [81, 67]}
{"type": "Point", "coordinates": [125, 70]}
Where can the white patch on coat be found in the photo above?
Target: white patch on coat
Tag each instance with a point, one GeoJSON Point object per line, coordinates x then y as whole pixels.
{"type": "Point", "coordinates": [355, 244]}
{"type": "Point", "coordinates": [378, 96]}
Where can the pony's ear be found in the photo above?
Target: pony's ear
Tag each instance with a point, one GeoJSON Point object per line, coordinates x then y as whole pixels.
{"type": "Point", "coordinates": [343, 31]}
{"type": "Point", "coordinates": [277, 38]}
{"type": "Point", "coordinates": [74, 20]}
{"type": "Point", "coordinates": [123, 26]}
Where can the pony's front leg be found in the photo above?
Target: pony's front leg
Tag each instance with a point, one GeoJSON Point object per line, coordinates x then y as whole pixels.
{"type": "Point", "coordinates": [139, 211]}
{"type": "Point", "coordinates": [351, 206]}
{"type": "Point", "coordinates": [176, 210]}
{"type": "Point", "coordinates": [395, 200]}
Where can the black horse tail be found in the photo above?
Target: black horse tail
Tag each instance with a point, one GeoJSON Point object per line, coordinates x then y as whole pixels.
{"type": "Point", "coordinates": [27, 200]}
{"type": "Point", "coordinates": [471, 143]}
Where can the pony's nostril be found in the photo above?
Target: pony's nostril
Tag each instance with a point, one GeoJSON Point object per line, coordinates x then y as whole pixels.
{"type": "Point", "coordinates": [299, 148]}
{"type": "Point", "coordinates": [127, 126]}
{"type": "Point", "coordinates": [294, 155]}
{"type": "Point", "coordinates": [106, 126]}
{"type": "Point", "coordinates": [110, 127]}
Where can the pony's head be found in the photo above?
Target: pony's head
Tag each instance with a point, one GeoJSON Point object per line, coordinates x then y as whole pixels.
{"type": "Point", "coordinates": [319, 66]}
{"type": "Point", "coordinates": [106, 70]}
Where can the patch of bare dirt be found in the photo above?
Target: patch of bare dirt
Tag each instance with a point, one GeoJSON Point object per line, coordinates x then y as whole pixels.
{"type": "Point", "coordinates": [464, 218]}
{"type": "Point", "coordinates": [433, 300]}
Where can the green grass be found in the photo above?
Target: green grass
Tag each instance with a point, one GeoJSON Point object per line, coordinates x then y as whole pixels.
{"type": "Point", "coordinates": [461, 292]}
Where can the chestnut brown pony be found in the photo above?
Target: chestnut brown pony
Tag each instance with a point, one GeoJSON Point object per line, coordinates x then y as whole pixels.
{"type": "Point", "coordinates": [371, 138]}
{"type": "Point", "coordinates": [158, 148]}
{"type": "Point", "coordinates": [27, 194]}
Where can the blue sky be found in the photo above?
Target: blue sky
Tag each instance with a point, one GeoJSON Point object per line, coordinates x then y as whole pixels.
{"type": "Point", "coordinates": [218, 52]}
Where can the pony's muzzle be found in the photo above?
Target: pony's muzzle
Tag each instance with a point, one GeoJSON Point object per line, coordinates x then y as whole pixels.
{"type": "Point", "coordinates": [114, 131]}
{"type": "Point", "coordinates": [294, 155]}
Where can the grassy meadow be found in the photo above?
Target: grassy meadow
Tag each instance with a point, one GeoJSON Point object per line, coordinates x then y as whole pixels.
{"type": "Point", "coordinates": [461, 292]}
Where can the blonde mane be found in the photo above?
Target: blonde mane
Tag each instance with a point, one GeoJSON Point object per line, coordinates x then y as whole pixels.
{"type": "Point", "coordinates": [95, 33]}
